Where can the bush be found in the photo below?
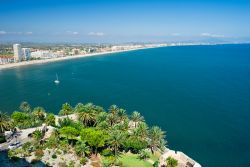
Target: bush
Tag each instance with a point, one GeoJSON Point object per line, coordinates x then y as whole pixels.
{"type": "Point", "coordinates": [19, 116]}
{"type": "Point", "coordinates": [171, 162]}
{"type": "Point", "coordinates": [50, 119]}
{"type": "Point", "coordinates": [39, 153]}
{"type": "Point", "coordinates": [106, 152]}
{"type": "Point", "coordinates": [134, 145]}
{"type": "Point", "coordinates": [2, 139]}
{"type": "Point", "coordinates": [144, 154]}
{"type": "Point", "coordinates": [54, 156]}
{"type": "Point", "coordinates": [83, 161]}
{"type": "Point", "coordinates": [156, 164]}
{"type": "Point", "coordinates": [12, 155]}
{"type": "Point", "coordinates": [71, 164]}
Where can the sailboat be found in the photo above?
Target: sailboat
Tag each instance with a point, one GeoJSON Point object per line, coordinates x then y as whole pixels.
{"type": "Point", "coordinates": [57, 81]}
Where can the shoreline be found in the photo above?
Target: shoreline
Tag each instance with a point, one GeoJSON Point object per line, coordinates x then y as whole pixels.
{"type": "Point", "coordinates": [33, 62]}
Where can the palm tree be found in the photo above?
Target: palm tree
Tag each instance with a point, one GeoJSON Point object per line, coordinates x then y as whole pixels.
{"type": "Point", "coordinates": [81, 148]}
{"type": "Point", "coordinates": [25, 107]}
{"type": "Point", "coordinates": [122, 114]}
{"type": "Point", "coordinates": [116, 140]}
{"type": "Point", "coordinates": [156, 138]}
{"type": "Point", "coordinates": [86, 116]}
{"type": "Point", "coordinates": [136, 118]}
{"type": "Point", "coordinates": [66, 109]}
{"type": "Point", "coordinates": [114, 109]}
{"type": "Point", "coordinates": [102, 116]}
{"type": "Point", "coordinates": [141, 132]}
{"type": "Point", "coordinates": [39, 113]}
{"type": "Point", "coordinates": [4, 123]}
{"type": "Point", "coordinates": [111, 119]}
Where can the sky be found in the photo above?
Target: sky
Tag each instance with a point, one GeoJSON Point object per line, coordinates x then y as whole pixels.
{"type": "Point", "coordinates": [100, 21]}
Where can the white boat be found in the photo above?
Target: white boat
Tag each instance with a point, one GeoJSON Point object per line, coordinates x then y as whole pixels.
{"type": "Point", "coordinates": [57, 81]}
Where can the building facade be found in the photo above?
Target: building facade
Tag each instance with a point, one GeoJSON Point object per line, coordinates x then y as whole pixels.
{"type": "Point", "coordinates": [26, 53]}
{"type": "Point", "coordinates": [17, 52]}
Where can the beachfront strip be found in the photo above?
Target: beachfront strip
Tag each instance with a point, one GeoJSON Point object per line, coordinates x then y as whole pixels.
{"type": "Point", "coordinates": [86, 135]}
{"type": "Point", "coordinates": [18, 56]}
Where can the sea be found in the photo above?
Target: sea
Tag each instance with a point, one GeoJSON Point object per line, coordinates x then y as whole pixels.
{"type": "Point", "coordinates": [199, 95]}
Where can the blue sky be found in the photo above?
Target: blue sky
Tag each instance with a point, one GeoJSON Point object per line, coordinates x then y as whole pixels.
{"type": "Point", "coordinates": [123, 21]}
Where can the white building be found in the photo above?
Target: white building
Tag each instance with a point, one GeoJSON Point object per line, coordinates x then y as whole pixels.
{"type": "Point", "coordinates": [26, 53]}
{"type": "Point", "coordinates": [43, 54]}
{"type": "Point", "coordinates": [17, 52]}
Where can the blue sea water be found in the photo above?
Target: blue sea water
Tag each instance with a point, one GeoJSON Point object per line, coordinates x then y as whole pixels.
{"type": "Point", "coordinates": [200, 95]}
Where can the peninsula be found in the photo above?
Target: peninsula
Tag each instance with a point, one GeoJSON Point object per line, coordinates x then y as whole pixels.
{"type": "Point", "coordinates": [86, 135]}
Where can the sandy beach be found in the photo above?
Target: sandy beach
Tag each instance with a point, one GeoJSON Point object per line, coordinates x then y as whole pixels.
{"type": "Point", "coordinates": [25, 63]}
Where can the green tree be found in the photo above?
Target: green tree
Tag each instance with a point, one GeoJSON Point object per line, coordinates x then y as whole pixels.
{"type": "Point", "coordinates": [4, 123]}
{"type": "Point", "coordinates": [115, 141]}
{"type": "Point", "coordinates": [19, 117]}
{"type": "Point", "coordinates": [171, 162]}
{"type": "Point", "coordinates": [135, 144]}
{"type": "Point", "coordinates": [25, 107]}
{"type": "Point", "coordinates": [156, 138]}
{"type": "Point", "coordinates": [136, 118]}
{"type": "Point", "coordinates": [69, 132]}
{"type": "Point", "coordinates": [94, 138]}
{"type": "Point", "coordinates": [81, 148]}
{"type": "Point", "coordinates": [66, 109]}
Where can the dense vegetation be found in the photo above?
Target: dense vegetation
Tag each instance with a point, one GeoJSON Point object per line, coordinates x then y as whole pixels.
{"type": "Point", "coordinates": [105, 135]}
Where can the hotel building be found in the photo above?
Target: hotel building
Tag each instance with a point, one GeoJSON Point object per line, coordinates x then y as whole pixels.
{"type": "Point", "coordinates": [17, 52]}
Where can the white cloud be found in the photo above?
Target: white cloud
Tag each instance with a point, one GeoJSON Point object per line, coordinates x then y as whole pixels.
{"type": "Point", "coordinates": [96, 34]}
{"type": "Point", "coordinates": [212, 35]}
{"type": "Point", "coordinates": [3, 32]}
{"type": "Point", "coordinates": [15, 33]}
{"type": "Point", "coordinates": [29, 33]}
{"type": "Point", "coordinates": [72, 32]}
{"type": "Point", "coordinates": [175, 34]}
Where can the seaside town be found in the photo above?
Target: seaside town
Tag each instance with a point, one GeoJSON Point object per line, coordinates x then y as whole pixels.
{"type": "Point", "coordinates": [17, 53]}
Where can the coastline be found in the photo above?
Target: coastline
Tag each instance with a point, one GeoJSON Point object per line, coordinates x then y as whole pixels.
{"type": "Point", "coordinates": [33, 62]}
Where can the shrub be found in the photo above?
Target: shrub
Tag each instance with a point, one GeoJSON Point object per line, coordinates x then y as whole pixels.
{"type": "Point", "coordinates": [71, 164]}
{"type": "Point", "coordinates": [54, 156]}
{"type": "Point", "coordinates": [135, 145]}
{"type": "Point", "coordinates": [171, 162]}
{"type": "Point", "coordinates": [156, 164]}
{"type": "Point", "coordinates": [83, 160]}
{"type": "Point", "coordinates": [58, 152]}
{"type": "Point", "coordinates": [144, 154]}
{"type": "Point", "coordinates": [39, 153]}
{"type": "Point", "coordinates": [2, 139]}
{"type": "Point", "coordinates": [19, 116]}
{"type": "Point", "coordinates": [50, 119]}
{"type": "Point", "coordinates": [106, 152]}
